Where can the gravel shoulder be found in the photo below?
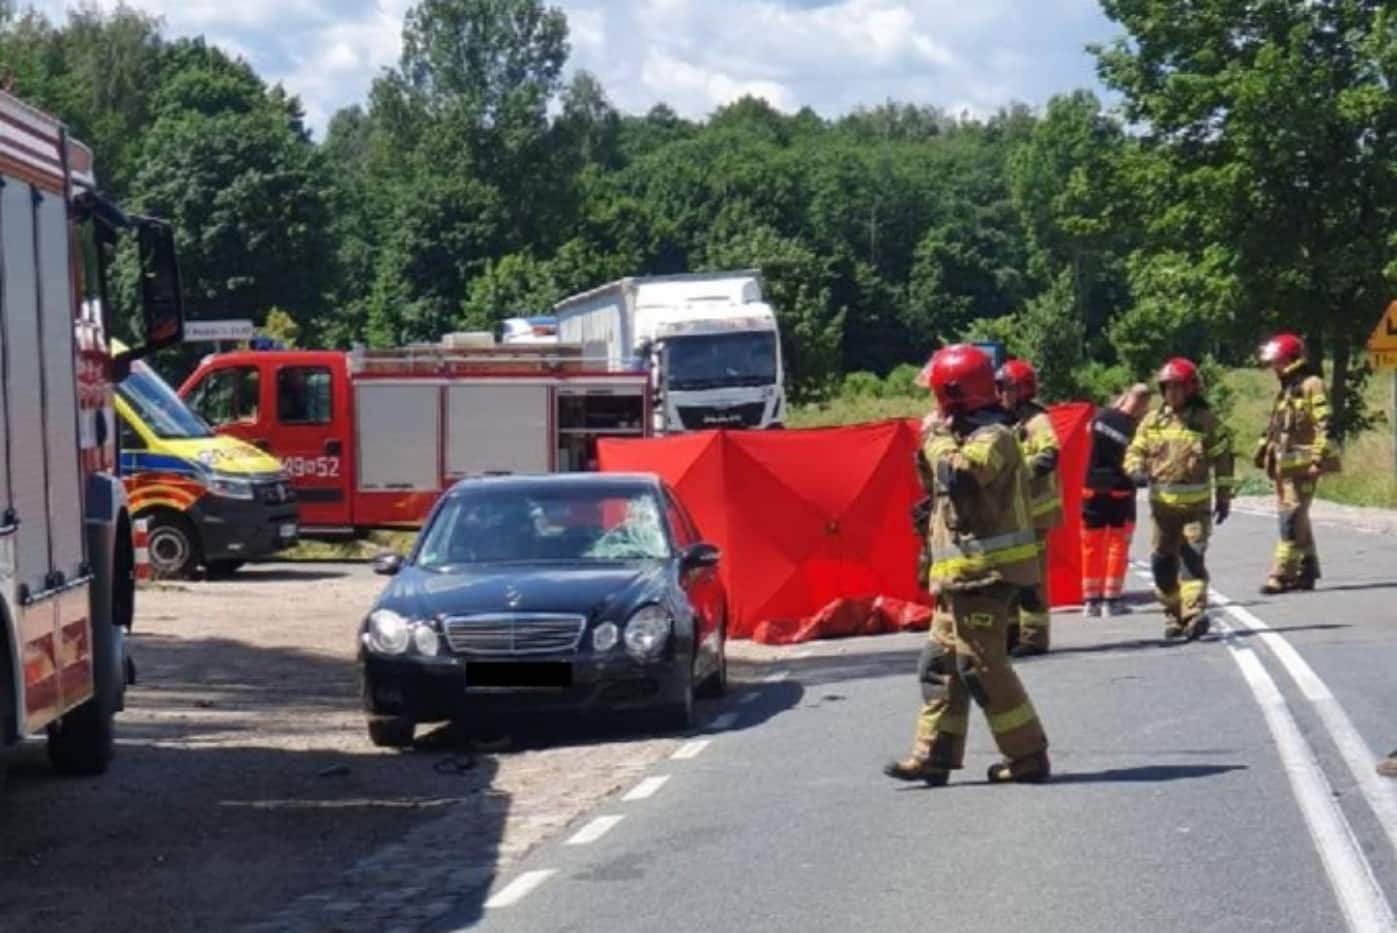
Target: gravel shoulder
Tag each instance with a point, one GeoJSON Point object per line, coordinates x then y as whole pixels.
{"type": "Point", "coordinates": [245, 791]}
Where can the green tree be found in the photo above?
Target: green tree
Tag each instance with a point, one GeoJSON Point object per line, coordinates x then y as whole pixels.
{"type": "Point", "coordinates": [230, 164]}
{"type": "Point", "coordinates": [1279, 122]}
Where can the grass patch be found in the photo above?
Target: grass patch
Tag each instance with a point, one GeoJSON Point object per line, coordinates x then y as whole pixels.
{"type": "Point", "coordinates": [857, 410]}
{"type": "Point", "coordinates": [367, 548]}
{"type": "Point", "coordinates": [1367, 477]}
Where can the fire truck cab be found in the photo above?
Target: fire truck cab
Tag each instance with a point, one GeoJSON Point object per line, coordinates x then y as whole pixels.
{"type": "Point", "coordinates": [67, 591]}
{"type": "Point", "coordinates": [371, 438]}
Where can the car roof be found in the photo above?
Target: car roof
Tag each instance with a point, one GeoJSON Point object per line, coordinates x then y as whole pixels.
{"type": "Point", "coordinates": [543, 482]}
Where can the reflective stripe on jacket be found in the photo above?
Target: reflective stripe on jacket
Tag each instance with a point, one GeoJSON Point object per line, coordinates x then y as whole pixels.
{"type": "Point", "coordinates": [1038, 440]}
{"type": "Point", "coordinates": [1187, 455]}
{"type": "Point", "coordinates": [981, 528]}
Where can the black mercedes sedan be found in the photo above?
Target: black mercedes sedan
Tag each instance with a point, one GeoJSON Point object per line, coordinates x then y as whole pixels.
{"type": "Point", "coordinates": [591, 592]}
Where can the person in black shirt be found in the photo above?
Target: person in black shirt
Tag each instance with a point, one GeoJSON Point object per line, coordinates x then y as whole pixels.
{"type": "Point", "coordinates": [1108, 504]}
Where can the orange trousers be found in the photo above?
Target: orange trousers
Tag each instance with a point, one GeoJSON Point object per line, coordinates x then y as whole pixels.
{"type": "Point", "coordinates": [1105, 556]}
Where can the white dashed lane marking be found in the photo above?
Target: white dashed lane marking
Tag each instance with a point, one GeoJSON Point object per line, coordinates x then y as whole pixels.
{"type": "Point", "coordinates": [775, 677]}
{"type": "Point", "coordinates": [690, 749]}
{"type": "Point", "coordinates": [519, 888]}
{"type": "Point", "coordinates": [647, 788]}
{"type": "Point", "coordinates": [594, 830]}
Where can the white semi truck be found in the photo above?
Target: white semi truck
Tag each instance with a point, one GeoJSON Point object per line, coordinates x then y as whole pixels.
{"type": "Point", "coordinates": [710, 341]}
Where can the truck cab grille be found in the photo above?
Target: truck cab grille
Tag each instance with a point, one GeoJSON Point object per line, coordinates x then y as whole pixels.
{"type": "Point", "coordinates": [701, 417]}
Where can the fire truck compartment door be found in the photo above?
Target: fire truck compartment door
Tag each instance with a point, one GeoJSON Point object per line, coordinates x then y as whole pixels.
{"type": "Point", "coordinates": [60, 387]}
{"type": "Point", "coordinates": [26, 480]}
{"type": "Point", "coordinates": [398, 433]}
{"type": "Point", "coordinates": [498, 427]}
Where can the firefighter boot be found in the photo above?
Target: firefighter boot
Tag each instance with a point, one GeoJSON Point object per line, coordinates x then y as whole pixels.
{"type": "Point", "coordinates": [1033, 769]}
{"type": "Point", "coordinates": [1388, 766]}
{"type": "Point", "coordinates": [1173, 627]}
{"type": "Point", "coordinates": [916, 768]}
{"type": "Point", "coordinates": [1274, 586]}
{"type": "Point", "coordinates": [1197, 627]}
{"type": "Point", "coordinates": [1309, 572]}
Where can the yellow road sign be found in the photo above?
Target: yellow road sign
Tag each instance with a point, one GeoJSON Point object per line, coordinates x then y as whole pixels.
{"type": "Point", "coordinates": [1384, 338]}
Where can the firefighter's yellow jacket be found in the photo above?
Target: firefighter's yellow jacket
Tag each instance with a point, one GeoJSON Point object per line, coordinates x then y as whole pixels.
{"type": "Point", "coordinates": [981, 528]}
{"type": "Point", "coordinates": [1187, 456]}
{"type": "Point", "coordinates": [1038, 440]}
{"type": "Point", "coordinates": [1297, 436]}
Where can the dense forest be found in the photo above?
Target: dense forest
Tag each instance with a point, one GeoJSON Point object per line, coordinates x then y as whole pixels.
{"type": "Point", "coordinates": [1246, 181]}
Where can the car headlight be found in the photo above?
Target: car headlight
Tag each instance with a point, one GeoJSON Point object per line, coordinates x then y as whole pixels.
{"type": "Point", "coordinates": [605, 637]}
{"type": "Point", "coordinates": [230, 487]}
{"type": "Point", "coordinates": [389, 633]}
{"type": "Point", "coordinates": [425, 639]}
{"type": "Point", "coordinates": [646, 631]}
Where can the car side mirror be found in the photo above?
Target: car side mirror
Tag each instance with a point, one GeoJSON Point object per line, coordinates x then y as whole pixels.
{"type": "Point", "coordinates": [388, 565]}
{"type": "Point", "coordinates": [701, 556]}
{"type": "Point", "coordinates": [162, 304]}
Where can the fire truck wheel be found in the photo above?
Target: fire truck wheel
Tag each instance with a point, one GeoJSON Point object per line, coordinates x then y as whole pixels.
{"type": "Point", "coordinates": [84, 741]}
{"type": "Point", "coordinates": [173, 547]}
{"type": "Point", "coordinates": [391, 731]}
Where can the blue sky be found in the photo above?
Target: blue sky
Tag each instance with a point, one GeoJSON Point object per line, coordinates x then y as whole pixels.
{"type": "Point", "coordinates": [695, 55]}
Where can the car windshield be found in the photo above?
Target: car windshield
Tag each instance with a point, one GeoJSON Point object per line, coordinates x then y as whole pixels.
{"type": "Point", "coordinates": [501, 525]}
{"type": "Point", "coordinates": [712, 361]}
{"type": "Point", "coordinates": [157, 405]}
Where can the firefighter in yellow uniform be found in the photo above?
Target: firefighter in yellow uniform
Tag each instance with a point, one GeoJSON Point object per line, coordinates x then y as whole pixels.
{"type": "Point", "coordinates": [1295, 451]}
{"type": "Point", "coordinates": [1184, 454]}
{"type": "Point", "coordinates": [1018, 390]}
{"type": "Point", "coordinates": [983, 549]}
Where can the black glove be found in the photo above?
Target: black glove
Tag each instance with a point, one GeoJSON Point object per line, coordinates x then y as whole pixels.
{"type": "Point", "coordinates": [1221, 509]}
{"type": "Point", "coordinates": [1140, 478]}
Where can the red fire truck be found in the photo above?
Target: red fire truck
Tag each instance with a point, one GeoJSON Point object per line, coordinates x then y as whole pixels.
{"type": "Point", "coordinates": [371, 438]}
{"type": "Point", "coordinates": [67, 589]}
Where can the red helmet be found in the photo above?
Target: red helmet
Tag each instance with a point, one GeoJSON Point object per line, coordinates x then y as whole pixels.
{"type": "Point", "coordinates": [962, 377]}
{"type": "Point", "coordinates": [1021, 375]}
{"type": "Point", "coordinates": [1283, 348]}
{"type": "Point", "coordinates": [1181, 370]}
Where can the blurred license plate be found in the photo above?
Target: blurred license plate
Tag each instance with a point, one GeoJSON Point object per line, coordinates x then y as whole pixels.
{"type": "Point", "coordinates": [521, 674]}
{"type": "Point", "coordinates": [288, 530]}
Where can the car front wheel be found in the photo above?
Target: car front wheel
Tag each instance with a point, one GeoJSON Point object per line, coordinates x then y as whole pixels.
{"type": "Point", "coordinates": [391, 731]}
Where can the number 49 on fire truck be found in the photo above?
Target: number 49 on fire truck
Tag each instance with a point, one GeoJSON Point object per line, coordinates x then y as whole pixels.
{"type": "Point", "coordinates": [67, 589]}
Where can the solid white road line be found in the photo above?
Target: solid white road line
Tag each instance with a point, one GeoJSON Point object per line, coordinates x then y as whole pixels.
{"type": "Point", "coordinates": [1359, 757]}
{"type": "Point", "coordinates": [690, 749]}
{"type": "Point", "coordinates": [519, 888]}
{"type": "Point", "coordinates": [594, 830]}
{"type": "Point", "coordinates": [1360, 896]}
{"type": "Point", "coordinates": [775, 677]}
{"type": "Point", "coordinates": [723, 722]}
{"type": "Point", "coordinates": [647, 788]}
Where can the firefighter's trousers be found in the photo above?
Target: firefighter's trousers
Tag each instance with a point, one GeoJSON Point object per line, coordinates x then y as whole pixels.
{"type": "Point", "coordinates": [1108, 524]}
{"type": "Point", "coordinates": [1180, 541]}
{"type": "Point", "coordinates": [1295, 555]}
{"type": "Point", "coordinates": [972, 663]}
{"type": "Point", "coordinates": [1032, 603]}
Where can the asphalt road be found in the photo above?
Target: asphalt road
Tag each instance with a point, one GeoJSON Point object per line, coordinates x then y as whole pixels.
{"type": "Point", "coordinates": [1222, 785]}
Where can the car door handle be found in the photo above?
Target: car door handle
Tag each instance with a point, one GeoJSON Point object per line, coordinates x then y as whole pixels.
{"type": "Point", "coordinates": [334, 447]}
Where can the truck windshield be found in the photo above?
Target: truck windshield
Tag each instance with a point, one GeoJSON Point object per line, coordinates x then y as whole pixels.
{"type": "Point", "coordinates": [157, 405]}
{"type": "Point", "coordinates": [714, 361]}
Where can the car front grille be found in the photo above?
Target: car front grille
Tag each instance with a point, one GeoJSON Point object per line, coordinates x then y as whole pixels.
{"type": "Point", "coordinates": [277, 493]}
{"type": "Point", "coordinates": [497, 634]}
{"type": "Point", "coordinates": [700, 417]}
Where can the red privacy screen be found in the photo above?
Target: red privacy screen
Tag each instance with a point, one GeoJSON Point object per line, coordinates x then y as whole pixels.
{"type": "Point", "coordinates": [814, 527]}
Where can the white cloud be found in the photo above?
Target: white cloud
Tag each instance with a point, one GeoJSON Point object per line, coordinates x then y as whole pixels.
{"type": "Point", "coordinates": [696, 55]}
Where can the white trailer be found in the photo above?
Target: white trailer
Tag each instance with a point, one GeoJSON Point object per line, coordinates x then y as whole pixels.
{"type": "Point", "coordinates": [710, 341]}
